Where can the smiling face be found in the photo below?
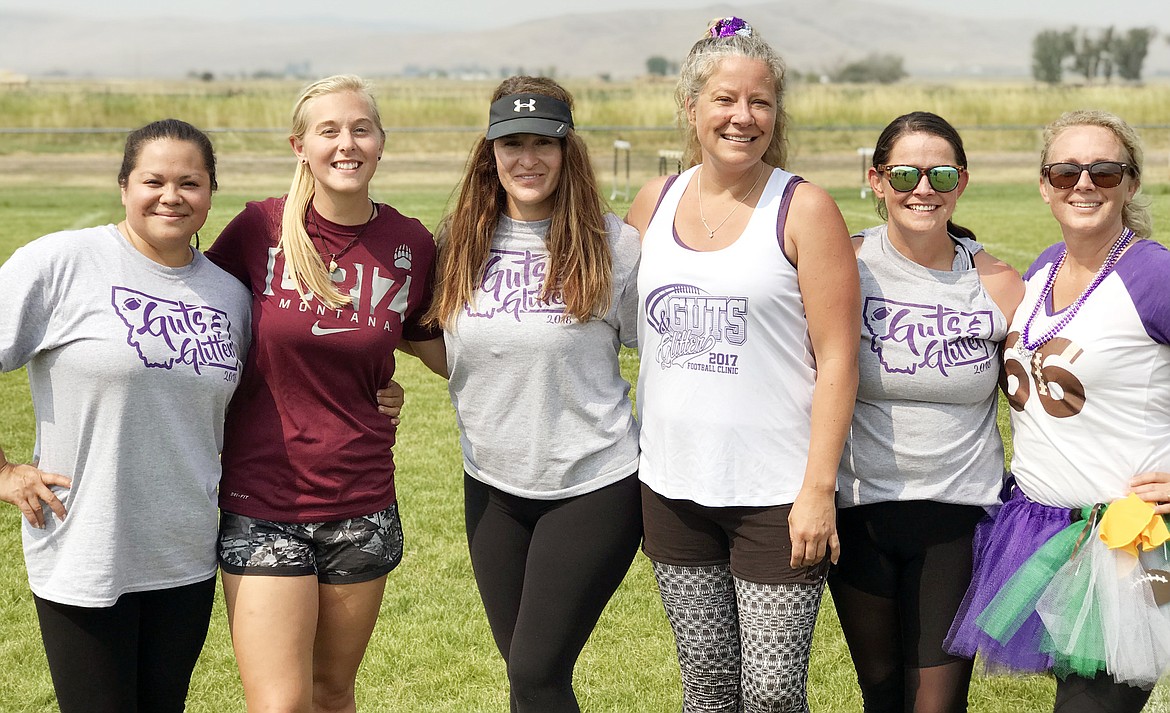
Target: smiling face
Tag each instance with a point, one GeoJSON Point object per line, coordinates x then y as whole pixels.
{"type": "Point", "coordinates": [1087, 209]}
{"type": "Point", "coordinates": [529, 169]}
{"type": "Point", "coordinates": [167, 196]}
{"type": "Point", "coordinates": [922, 211]}
{"type": "Point", "coordinates": [341, 144]}
{"type": "Point", "coordinates": [735, 113]}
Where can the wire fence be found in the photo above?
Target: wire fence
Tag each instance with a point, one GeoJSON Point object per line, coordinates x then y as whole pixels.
{"type": "Point", "coordinates": [624, 156]}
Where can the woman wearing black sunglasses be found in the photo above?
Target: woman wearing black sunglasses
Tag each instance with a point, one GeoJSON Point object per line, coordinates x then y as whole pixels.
{"type": "Point", "coordinates": [1065, 581]}
{"type": "Point", "coordinates": [924, 457]}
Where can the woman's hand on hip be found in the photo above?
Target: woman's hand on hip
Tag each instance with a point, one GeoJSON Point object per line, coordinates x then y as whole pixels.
{"type": "Point", "coordinates": [30, 488]}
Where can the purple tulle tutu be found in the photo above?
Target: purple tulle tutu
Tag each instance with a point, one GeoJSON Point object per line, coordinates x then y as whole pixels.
{"type": "Point", "coordinates": [1002, 545]}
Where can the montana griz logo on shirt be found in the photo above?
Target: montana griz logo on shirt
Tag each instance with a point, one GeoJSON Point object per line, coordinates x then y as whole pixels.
{"type": "Point", "coordinates": [374, 293]}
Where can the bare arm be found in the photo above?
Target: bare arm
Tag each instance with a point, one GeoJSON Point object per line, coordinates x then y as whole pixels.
{"type": "Point", "coordinates": [1002, 282]}
{"type": "Point", "coordinates": [817, 240]}
{"type": "Point", "coordinates": [432, 352]}
{"type": "Point", "coordinates": [642, 209]}
{"type": "Point", "coordinates": [27, 487]}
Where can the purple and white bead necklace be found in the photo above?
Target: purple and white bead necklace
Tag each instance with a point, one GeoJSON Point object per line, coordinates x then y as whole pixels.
{"type": "Point", "coordinates": [1028, 346]}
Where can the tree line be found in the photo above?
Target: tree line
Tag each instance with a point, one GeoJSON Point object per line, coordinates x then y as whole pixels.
{"type": "Point", "coordinates": [1090, 55]}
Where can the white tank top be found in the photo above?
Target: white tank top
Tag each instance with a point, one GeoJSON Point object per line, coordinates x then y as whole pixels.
{"type": "Point", "coordinates": [726, 377]}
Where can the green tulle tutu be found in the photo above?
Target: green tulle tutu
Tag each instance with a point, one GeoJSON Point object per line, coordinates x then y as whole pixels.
{"type": "Point", "coordinates": [1098, 605]}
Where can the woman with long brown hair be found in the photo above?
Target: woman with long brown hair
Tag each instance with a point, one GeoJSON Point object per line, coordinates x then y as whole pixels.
{"type": "Point", "coordinates": [536, 293]}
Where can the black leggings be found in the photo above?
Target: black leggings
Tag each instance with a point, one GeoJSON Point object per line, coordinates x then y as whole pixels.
{"type": "Point", "coordinates": [545, 570]}
{"type": "Point", "coordinates": [903, 571]}
{"type": "Point", "coordinates": [135, 656]}
{"type": "Point", "coordinates": [1100, 694]}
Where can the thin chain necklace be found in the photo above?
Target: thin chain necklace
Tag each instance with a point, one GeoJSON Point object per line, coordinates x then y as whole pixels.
{"type": "Point", "coordinates": [1028, 346]}
{"type": "Point", "coordinates": [738, 203]}
{"type": "Point", "coordinates": [333, 257]}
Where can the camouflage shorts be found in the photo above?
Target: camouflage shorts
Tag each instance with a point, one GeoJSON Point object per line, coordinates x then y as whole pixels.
{"type": "Point", "coordinates": [339, 552]}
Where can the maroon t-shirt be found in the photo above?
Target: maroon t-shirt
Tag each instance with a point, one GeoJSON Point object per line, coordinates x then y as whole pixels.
{"type": "Point", "coordinates": [304, 441]}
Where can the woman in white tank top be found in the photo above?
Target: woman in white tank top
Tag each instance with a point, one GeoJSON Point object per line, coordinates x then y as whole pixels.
{"type": "Point", "coordinates": [748, 295]}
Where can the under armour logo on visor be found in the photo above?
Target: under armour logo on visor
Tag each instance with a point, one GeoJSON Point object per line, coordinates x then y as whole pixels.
{"type": "Point", "coordinates": [530, 105]}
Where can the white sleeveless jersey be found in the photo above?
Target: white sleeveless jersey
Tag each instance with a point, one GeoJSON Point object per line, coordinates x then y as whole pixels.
{"type": "Point", "coordinates": [726, 377]}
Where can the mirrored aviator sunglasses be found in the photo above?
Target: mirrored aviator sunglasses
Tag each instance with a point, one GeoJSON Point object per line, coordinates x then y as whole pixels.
{"type": "Point", "coordinates": [904, 179]}
{"type": "Point", "coordinates": [1103, 174]}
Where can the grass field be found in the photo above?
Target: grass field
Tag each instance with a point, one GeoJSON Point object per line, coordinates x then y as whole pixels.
{"type": "Point", "coordinates": [432, 650]}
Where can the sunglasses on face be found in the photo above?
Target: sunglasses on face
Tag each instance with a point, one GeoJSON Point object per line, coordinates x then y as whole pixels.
{"type": "Point", "coordinates": [904, 179]}
{"type": "Point", "coordinates": [1103, 174]}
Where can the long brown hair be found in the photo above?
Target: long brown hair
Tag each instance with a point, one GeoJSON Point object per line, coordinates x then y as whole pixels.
{"type": "Point", "coordinates": [579, 255]}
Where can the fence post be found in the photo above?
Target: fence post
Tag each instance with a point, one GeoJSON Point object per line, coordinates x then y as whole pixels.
{"type": "Point", "coordinates": [866, 155]}
{"type": "Point", "coordinates": [665, 155]}
{"type": "Point", "coordinates": [619, 147]}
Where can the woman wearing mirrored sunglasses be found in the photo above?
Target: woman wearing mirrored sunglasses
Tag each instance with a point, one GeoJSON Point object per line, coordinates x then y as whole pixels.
{"type": "Point", "coordinates": [1060, 583]}
{"type": "Point", "coordinates": [924, 457]}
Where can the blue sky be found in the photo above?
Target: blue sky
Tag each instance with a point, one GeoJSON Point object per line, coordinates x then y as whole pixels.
{"type": "Point", "coordinates": [482, 14]}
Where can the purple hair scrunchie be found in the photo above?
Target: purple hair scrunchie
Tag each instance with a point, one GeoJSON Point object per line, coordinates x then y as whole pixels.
{"type": "Point", "coordinates": [729, 26]}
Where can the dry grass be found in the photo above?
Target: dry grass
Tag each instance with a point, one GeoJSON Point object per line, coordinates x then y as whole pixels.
{"type": "Point", "coordinates": [429, 118]}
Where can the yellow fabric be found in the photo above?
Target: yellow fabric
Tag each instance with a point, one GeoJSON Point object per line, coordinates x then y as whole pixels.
{"type": "Point", "coordinates": [1130, 522]}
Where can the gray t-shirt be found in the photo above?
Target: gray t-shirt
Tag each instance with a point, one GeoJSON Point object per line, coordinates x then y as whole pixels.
{"type": "Point", "coordinates": [924, 423]}
{"type": "Point", "coordinates": [543, 410]}
{"type": "Point", "coordinates": [131, 366]}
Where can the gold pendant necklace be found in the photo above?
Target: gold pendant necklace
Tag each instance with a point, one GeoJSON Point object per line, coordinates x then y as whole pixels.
{"type": "Point", "coordinates": [310, 214]}
{"type": "Point", "coordinates": [738, 203]}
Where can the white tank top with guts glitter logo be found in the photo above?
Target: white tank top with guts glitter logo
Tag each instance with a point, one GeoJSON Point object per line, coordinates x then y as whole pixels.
{"type": "Point", "coordinates": [726, 378]}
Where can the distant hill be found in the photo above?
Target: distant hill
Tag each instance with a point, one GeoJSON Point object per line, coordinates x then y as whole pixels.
{"type": "Point", "coordinates": [812, 37]}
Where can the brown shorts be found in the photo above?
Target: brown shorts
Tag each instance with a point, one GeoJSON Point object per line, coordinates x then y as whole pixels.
{"type": "Point", "coordinates": [754, 540]}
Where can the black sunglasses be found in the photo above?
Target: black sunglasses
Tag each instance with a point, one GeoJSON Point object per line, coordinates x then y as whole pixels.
{"type": "Point", "coordinates": [904, 179]}
{"type": "Point", "coordinates": [1103, 174]}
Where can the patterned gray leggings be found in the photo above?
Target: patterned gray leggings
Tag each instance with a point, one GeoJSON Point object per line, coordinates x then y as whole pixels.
{"type": "Point", "coordinates": [742, 646]}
